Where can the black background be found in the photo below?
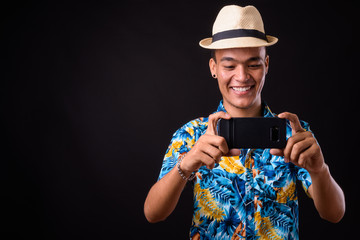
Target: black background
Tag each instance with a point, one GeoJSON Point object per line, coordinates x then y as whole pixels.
{"type": "Point", "coordinates": [91, 93]}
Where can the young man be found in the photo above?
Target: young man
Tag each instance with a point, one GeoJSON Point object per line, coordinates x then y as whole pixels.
{"type": "Point", "coordinates": [243, 193]}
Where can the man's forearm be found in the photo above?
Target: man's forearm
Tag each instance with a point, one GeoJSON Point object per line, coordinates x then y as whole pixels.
{"type": "Point", "coordinates": [163, 196]}
{"type": "Point", "coordinates": [328, 197]}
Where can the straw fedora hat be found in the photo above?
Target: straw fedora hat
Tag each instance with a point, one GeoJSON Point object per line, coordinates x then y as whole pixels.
{"type": "Point", "coordinates": [237, 27]}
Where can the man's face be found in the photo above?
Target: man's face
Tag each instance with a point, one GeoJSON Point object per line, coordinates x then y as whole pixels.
{"type": "Point", "coordinates": [241, 76]}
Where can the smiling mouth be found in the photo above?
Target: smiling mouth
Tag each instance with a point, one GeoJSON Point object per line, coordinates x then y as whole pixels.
{"type": "Point", "coordinates": [241, 89]}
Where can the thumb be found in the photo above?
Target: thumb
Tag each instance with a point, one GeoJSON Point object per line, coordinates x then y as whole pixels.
{"type": "Point", "coordinates": [213, 119]}
{"type": "Point", "coordinates": [277, 152]}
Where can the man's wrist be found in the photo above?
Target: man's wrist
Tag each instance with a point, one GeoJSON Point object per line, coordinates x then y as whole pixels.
{"type": "Point", "coordinates": [323, 171]}
{"type": "Point", "coordinates": [186, 175]}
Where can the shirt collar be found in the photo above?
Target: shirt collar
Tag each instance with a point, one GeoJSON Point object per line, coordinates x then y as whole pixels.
{"type": "Point", "coordinates": [265, 108]}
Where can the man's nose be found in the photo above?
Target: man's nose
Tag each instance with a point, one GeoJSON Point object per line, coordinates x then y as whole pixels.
{"type": "Point", "coordinates": [241, 74]}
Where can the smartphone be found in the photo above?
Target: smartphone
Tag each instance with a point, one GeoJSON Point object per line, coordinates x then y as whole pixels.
{"type": "Point", "coordinates": [253, 132]}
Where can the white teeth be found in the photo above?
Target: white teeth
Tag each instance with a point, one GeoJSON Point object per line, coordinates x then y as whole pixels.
{"type": "Point", "coordinates": [241, 89]}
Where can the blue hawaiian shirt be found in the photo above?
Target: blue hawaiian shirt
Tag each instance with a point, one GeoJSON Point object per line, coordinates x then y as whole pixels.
{"type": "Point", "coordinates": [250, 196]}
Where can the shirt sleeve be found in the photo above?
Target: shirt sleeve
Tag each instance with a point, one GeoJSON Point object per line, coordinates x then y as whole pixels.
{"type": "Point", "coordinates": [181, 142]}
{"type": "Point", "coordinates": [304, 177]}
{"type": "Point", "coordinates": [302, 174]}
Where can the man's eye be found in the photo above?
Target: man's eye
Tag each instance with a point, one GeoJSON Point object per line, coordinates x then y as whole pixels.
{"type": "Point", "coordinates": [229, 67]}
{"type": "Point", "coordinates": [254, 65]}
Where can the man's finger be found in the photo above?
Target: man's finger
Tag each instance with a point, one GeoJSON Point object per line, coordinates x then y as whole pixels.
{"type": "Point", "coordinates": [213, 152]}
{"type": "Point", "coordinates": [277, 152]}
{"type": "Point", "coordinates": [233, 152]}
{"type": "Point", "coordinates": [294, 121]}
{"type": "Point", "coordinates": [291, 142]}
{"type": "Point", "coordinates": [207, 160]}
{"type": "Point", "coordinates": [216, 141]}
{"type": "Point", "coordinates": [298, 148]}
{"type": "Point", "coordinates": [213, 119]}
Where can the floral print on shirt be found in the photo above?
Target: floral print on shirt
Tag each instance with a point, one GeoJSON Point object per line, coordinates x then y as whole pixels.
{"type": "Point", "coordinates": [250, 196]}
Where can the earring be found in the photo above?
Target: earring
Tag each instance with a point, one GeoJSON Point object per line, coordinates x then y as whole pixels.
{"type": "Point", "coordinates": [214, 75]}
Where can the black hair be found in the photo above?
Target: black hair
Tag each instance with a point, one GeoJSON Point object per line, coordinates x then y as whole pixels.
{"type": "Point", "coordinates": [212, 54]}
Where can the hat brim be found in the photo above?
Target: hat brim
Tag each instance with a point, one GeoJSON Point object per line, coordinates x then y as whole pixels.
{"type": "Point", "coordinates": [239, 42]}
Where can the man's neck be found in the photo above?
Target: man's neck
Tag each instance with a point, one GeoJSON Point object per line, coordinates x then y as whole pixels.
{"type": "Point", "coordinates": [253, 111]}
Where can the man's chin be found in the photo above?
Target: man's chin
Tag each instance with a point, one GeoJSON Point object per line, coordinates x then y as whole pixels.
{"type": "Point", "coordinates": [241, 105]}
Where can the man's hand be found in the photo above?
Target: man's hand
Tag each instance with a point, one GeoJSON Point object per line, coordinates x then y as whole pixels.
{"type": "Point", "coordinates": [209, 149]}
{"type": "Point", "coordinates": [302, 148]}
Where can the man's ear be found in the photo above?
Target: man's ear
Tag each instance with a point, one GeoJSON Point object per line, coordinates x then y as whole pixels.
{"type": "Point", "coordinates": [267, 58]}
{"type": "Point", "coordinates": [212, 66]}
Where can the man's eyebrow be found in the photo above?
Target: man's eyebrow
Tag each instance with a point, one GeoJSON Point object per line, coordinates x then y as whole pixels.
{"type": "Point", "coordinates": [233, 59]}
{"type": "Point", "coordinates": [227, 59]}
{"type": "Point", "coordinates": [254, 59]}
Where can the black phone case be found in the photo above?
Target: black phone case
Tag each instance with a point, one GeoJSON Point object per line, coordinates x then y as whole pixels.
{"type": "Point", "coordinates": [253, 132]}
